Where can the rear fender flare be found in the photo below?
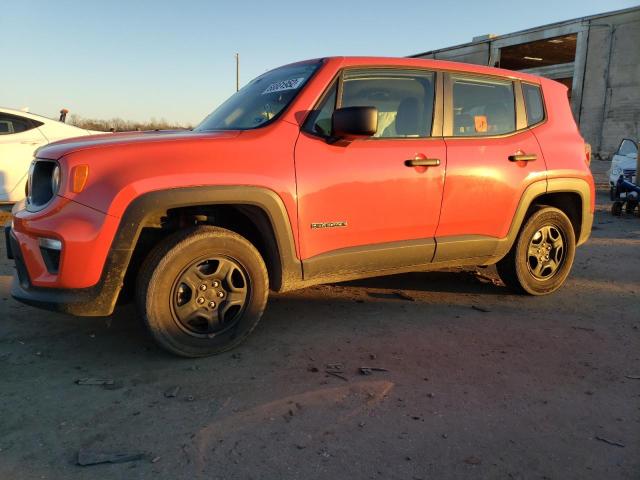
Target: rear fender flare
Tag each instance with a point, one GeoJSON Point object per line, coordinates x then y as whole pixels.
{"type": "Point", "coordinates": [528, 198]}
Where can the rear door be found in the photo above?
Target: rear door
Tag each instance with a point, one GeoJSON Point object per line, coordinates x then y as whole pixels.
{"type": "Point", "coordinates": [491, 158]}
{"type": "Point", "coordinates": [360, 206]}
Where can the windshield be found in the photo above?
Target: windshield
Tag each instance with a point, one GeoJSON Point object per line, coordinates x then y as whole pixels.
{"type": "Point", "coordinates": [260, 100]}
{"type": "Point", "coordinates": [627, 148]}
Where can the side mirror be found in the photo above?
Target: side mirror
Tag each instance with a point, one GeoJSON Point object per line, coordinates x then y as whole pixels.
{"type": "Point", "coordinates": [354, 122]}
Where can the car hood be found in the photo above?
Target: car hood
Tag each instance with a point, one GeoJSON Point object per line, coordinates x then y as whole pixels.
{"type": "Point", "coordinates": [56, 150]}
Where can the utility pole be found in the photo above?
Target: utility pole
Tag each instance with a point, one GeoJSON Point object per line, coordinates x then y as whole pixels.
{"type": "Point", "coordinates": [237, 72]}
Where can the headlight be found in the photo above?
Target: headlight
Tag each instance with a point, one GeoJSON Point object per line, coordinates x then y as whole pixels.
{"type": "Point", "coordinates": [42, 184]}
{"type": "Point", "coordinates": [55, 179]}
{"type": "Point", "coordinates": [28, 189]}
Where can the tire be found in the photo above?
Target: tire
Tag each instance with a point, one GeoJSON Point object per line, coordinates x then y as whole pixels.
{"type": "Point", "coordinates": [612, 193]}
{"type": "Point", "coordinates": [202, 291]}
{"type": "Point", "coordinates": [629, 207]}
{"type": "Point", "coordinates": [541, 257]}
{"type": "Point", "coordinates": [616, 209]}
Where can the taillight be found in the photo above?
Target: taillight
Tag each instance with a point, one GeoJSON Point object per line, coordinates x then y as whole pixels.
{"type": "Point", "coordinates": [587, 154]}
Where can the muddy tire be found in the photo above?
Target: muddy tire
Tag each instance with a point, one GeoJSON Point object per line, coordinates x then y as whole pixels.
{"type": "Point", "coordinates": [542, 255]}
{"type": "Point", "coordinates": [202, 291]}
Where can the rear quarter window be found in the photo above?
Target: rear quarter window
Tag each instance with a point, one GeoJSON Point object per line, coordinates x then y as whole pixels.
{"type": "Point", "coordinates": [533, 103]}
{"type": "Point", "coordinates": [10, 124]}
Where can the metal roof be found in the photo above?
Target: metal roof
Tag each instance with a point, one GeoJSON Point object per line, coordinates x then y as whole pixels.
{"type": "Point", "coordinates": [532, 29]}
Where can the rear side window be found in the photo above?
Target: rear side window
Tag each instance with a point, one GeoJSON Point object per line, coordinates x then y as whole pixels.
{"type": "Point", "coordinates": [482, 107]}
{"type": "Point", "coordinates": [533, 103]}
{"type": "Point", "coordinates": [13, 124]}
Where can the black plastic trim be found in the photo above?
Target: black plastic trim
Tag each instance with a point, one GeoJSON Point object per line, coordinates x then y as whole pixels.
{"type": "Point", "coordinates": [7, 241]}
{"type": "Point", "coordinates": [369, 258]}
{"type": "Point", "coordinates": [100, 299]}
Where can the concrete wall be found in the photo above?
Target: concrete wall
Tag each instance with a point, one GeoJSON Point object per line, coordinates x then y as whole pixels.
{"type": "Point", "coordinates": [610, 108]}
{"type": "Point", "coordinates": [477, 53]}
{"type": "Point", "coordinates": [606, 72]}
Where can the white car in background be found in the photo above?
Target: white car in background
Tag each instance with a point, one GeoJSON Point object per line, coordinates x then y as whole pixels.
{"type": "Point", "coordinates": [21, 134]}
{"type": "Point", "coordinates": [624, 162]}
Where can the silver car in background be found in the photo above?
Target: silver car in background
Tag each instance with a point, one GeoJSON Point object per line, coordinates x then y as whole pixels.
{"type": "Point", "coordinates": [623, 163]}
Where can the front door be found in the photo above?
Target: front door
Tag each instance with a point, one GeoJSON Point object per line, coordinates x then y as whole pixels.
{"type": "Point", "coordinates": [362, 205]}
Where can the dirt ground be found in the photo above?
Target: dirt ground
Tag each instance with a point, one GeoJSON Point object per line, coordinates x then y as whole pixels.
{"type": "Point", "coordinates": [480, 383]}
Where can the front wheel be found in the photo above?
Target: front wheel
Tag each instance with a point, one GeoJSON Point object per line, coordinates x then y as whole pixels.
{"type": "Point", "coordinates": [202, 291]}
{"type": "Point", "coordinates": [542, 255]}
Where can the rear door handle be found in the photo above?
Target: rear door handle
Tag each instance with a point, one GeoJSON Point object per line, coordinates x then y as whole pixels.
{"type": "Point", "coordinates": [523, 158]}
{"type": "Point", "coordinates": [422, 162]}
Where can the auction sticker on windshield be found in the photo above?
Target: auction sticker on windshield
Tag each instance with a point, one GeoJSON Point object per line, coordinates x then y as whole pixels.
{"type": "Point", "coordinates": [290, 84]}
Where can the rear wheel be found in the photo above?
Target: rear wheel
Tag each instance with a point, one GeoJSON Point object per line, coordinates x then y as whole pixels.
{"type": "Point", "coordinates": [202, 291]}
{"type": "Point", "coordinates": [542, 255]}
{"type": "Point", "coordinates": [616, 209]}
{"type": "Point", "coordinates": [630, 207]}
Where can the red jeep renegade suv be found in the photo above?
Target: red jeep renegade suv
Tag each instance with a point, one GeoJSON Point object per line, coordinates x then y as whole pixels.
{"type": "Point", "coordinates": [319, 171]}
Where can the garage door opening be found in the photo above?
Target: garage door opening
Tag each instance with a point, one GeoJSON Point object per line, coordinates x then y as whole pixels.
{"type": "Point", "coordinates": [541, 53]}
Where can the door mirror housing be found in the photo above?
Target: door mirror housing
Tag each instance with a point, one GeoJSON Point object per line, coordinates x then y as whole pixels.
{"type": "Point", "coordinates": [350, 123]}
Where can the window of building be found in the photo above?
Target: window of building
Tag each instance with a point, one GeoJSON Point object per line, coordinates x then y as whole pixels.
{"type": "Point", "coordinates": [540, 53]}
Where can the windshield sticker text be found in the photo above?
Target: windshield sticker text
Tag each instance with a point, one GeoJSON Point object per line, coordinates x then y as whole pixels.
{"type": "Point", "coordinates": [290, 84]}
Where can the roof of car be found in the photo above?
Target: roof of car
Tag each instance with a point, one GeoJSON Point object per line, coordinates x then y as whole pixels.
{"type": "Point", "coordinates": [21, 113]}
{"type": "Point", "coordinates": [346, 61]}
{"type": "Point", "coordinates": [36, 117]}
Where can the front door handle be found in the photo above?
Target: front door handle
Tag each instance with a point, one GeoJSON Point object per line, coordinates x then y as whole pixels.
{"type": "Point", "coordinates": [420, 161]}
{"type": "Point", "coordinates": [523, 158]}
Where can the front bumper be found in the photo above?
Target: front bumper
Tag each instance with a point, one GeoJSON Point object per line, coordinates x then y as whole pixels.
{"type": "Point", "coordinates": [98, 300]}
{"type": "Point", "coordinates": [90, 274]}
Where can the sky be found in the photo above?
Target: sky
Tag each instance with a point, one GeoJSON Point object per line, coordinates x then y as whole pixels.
{"type": "Point", "coordinates": [174, 60]}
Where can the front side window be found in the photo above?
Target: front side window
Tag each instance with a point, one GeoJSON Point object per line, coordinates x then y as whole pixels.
{"type": "Point", "coordinates": [319, 121]}
{"type": "Point", "coordinates": [482, 107]}
{"type": "Point", "coordinates": [533, 103]}
{"type": "Point", "coordinates": [13, 124]}
{"type": "Point", "coordinates": [261, 100]}
{"type": "Point", "coordinates": [403, 99]}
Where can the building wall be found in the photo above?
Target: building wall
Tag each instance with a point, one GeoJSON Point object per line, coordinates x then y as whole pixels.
{"type": "Point", "coordinates": [606, 72]}
{"type": "Point", "coordinates": [477, 54]}
{"type": "Point", "coordinates": [610, 108]}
